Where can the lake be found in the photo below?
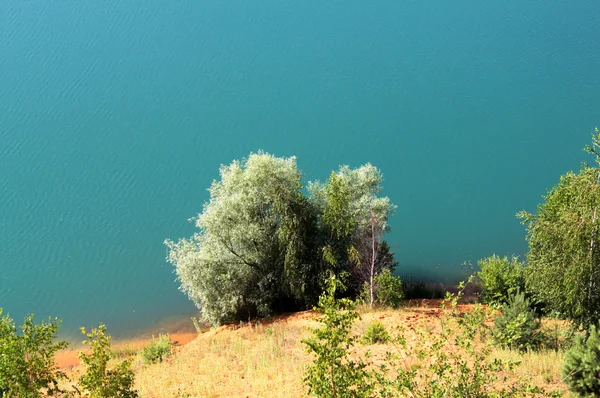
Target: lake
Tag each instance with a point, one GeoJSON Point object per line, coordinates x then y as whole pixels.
{"type": "Point", "coordinates": [116, 116]}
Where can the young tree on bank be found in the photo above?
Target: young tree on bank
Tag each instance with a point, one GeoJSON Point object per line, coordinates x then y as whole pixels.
{"type": "Point", "coordinates": [355, 219]}
{"type": "Point", "coordinates": [564, 244]}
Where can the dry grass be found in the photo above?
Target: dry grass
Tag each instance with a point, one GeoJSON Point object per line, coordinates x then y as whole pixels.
{"type": "Point", "coordinates": [255, 360]}
{"type": "Point", "coordinates": [268, 359]}
{"type": "Point", "coordinates": [544, 367]}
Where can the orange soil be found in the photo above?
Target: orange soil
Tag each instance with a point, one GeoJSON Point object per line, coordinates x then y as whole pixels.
{"type": "Point", "coordinates": [68, 358]}
{"type": "Point", "coordinates": [180, 329]}
{"type": "Point", "coordinates": [208, 364]}
{"type": "Point", "coordinates": [180, 333]}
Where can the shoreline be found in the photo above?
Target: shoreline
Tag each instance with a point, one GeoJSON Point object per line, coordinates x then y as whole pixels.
{"type": "Point", "coordinates": [67, 358]}
{"type": "Point", "coordinates": [181, 330]}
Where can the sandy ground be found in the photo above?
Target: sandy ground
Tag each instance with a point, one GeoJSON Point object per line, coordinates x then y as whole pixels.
{"type": "Point", "coordinates": [68, 358]}
{"type": "Point", "coordinates": [181, 330]}
{"type": "Point", "coordinates": [267, 357]}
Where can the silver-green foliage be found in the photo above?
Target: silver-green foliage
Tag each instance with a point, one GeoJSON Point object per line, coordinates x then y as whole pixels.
{"type": "Point", "coordinates": [564, 246]}
{"type": "Point", "coordinates": [264, 246]}
{"type": "Point", "coordinates": [349, 199]}
{"type": "Point", "coordinates": [27, 357]}
{"type": "Point", "coordinates": [581, 368]}
{"type": "Point", "coordinates": [253, 249]}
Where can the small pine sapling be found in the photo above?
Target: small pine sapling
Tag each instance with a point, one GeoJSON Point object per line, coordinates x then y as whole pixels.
{"type": "Point", "coordinates": [518, 327]}
{"type": "Point", "coordinates": [581, 368]}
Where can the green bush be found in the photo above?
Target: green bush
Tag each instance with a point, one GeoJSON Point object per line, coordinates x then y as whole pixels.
{"type": "Point", "coordinates": [460, 364]}
{"type": "Point", "coordinates": [581, 368]}
{"type": "Point", "coordinates": [99, 381]}
{"type": "Point", "coordinates": [27, 358]}
{"type": "Point", "coordinates": [500, 277]}
{"type": "Point", "coordinates": [333, 373]}
{"type": "Point", "coordinates": [388, 289]}
{"type": "Point", "coordinates": [518, 327]}
{"type": "Point", "coordinates": [375, 333]}
{"type": "Point", "coordinates": [158, 349]}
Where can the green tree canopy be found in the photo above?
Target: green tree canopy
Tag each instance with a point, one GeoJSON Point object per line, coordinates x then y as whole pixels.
{"type": "Point", "coordinates": [27, 357]}
{"type": "Point", "coordinates": [354, 219]}
{"type": "Point", "coordinates": [564, 246]}
{"type": "Point", "coordinates": [349, 198]}
{"type": "Point", "coordinates": [264, 246]}
{"type": "Point", "coordinates": [250, 256]}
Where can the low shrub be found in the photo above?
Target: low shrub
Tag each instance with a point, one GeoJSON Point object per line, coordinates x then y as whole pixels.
{"type": "Point", "coordinates": [500, 277]}
{"type": "Point", "coordinates": [518, 327]}
{"type": "Point", "coordinates": [158, 349]}
{"type": "Point", "coordinates": [581, 368]}
{"type": "Point", "coordinates": [98, 381]}
{"type": "Point", "coordinates": [388, 289]}
{"type": "Point", "coordinates": [27, 357]}
{"type": "Point", "coordinates": [333, 373]}
{"type": "Point", "coordinates": [375, 333]}
{"type": "Point", "coordinates": [453, 363]}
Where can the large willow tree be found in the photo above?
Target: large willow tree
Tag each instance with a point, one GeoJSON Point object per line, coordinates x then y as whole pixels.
{"type": "Point", "coordinates": [564, 244]}
{"type": "Point", "coordinates": [250, 257]}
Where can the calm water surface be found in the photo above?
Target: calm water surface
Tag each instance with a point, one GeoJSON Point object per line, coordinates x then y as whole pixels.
{"type": "Point", "coordinates": [115, 117]}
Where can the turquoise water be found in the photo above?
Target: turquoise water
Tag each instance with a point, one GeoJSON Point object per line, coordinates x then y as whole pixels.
{"type": "Point", "coordinates": [115, 117]}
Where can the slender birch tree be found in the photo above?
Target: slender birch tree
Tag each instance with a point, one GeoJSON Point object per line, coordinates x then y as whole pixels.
{"type": "Point", "coordinates": [356, 219]}
{"type": "Point", "coordinates": [564, 247]}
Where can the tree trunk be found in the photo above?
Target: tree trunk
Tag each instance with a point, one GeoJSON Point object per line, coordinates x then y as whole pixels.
{"type": "Point", "coordinates": [372, 257]}
{"type": "Point", "coordinates": [333, 390]}
{"type": "Point", "coordinates": [592, 265]}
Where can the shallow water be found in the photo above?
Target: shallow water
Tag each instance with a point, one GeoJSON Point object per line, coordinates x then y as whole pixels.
{"type": "Point", "coordinates": [116, 116]}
